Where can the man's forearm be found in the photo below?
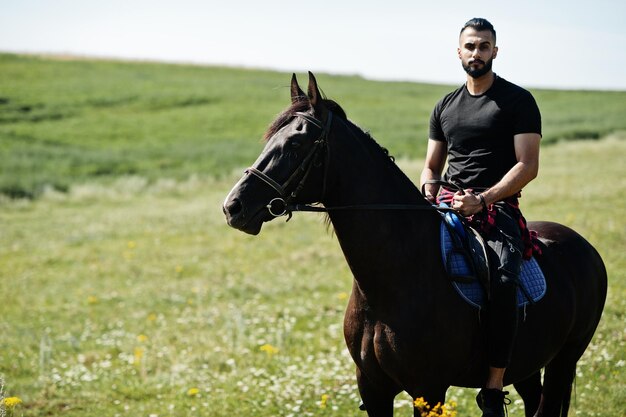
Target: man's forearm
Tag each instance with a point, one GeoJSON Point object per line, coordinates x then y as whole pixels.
{"type": "Point", "coordinates": [513, 181]}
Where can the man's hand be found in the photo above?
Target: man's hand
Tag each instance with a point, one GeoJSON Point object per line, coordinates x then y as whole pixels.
{"type": "Point", "coordinates": [431, 193]}
{"type": "Point", "coordinates": [436, 155]}
{"type": "Point", "coordinates": [467, 203]}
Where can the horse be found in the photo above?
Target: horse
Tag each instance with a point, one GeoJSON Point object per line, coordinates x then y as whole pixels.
{"type": "Point", "coordinates": [405, 327]}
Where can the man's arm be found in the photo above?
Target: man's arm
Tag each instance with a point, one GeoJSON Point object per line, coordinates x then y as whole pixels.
{"type": "Point", "coordinates": [436, 155]}
{"type": "Point", "coordinates": [524, 171]}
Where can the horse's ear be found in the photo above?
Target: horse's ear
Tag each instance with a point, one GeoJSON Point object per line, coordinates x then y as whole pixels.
{"type": "Point", "coordinates": [314, 93]}
{"type": "Point", "coordinates": [296, 91]}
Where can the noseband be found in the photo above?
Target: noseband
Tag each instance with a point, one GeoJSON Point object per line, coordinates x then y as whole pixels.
{"type": "Point", "coordinates": [301, 173]}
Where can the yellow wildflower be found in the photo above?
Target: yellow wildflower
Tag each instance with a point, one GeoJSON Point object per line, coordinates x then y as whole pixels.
{"type": "Point", "coordinates": [138, 354]}
{"type": "Point", "coordinates": [152, 317]}
{"type": "Point", "coordinates": [179, 269]}
{"type": "Point", "coordinates": [269, 349]}
{"type": "Point", "coordinates": [324, 400]}
{"type": "Point", "coordinates": [439, 410]}
{"type": "Point", "coordinates": [342, 296]}
{"type": "Point", "coordinates": [92, 299]}
{"type": "Point", "coordinates": [11, 402]}
{"type": "Point", "coordinates": [132, 244]}
{"type": "Point", "coordinates": [192, 392]}
{"type": "Point", "coordinates": [142, 338]}
{"type": "Point", "coordinates": [419, 402]}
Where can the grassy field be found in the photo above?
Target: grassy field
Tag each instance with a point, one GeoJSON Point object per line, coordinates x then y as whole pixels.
{"type": "Point", "coordinates": [64, 122]}
{"type": "Point", "coordinates": [124, 293]}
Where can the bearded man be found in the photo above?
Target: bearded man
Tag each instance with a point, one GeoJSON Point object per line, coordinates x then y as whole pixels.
{"type": "Point", "coordinates": [489, 131]}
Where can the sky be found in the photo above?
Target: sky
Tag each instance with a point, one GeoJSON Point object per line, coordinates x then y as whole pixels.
{"type": "Point", "coordinates": [561, 44]}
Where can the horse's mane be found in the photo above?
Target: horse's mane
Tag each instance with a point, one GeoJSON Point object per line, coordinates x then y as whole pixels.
{"type": "Point", "coordinates": [304, 105]}
{"type": "Point", "coordinates": [369, 138]}
{"type": "Point", "coordinates": [301, 105]}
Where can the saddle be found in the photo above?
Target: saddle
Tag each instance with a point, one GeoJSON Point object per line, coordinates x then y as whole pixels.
{"type": "Point", "coordinates": [466, 260]}
{"type": "Point", "coordinates": [469, 245]}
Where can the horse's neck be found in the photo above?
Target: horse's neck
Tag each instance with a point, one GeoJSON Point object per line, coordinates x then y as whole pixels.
{"type": "Point", "coordinates": [379, 245]}
{"type": "Point", "coordinates": [363, 173]}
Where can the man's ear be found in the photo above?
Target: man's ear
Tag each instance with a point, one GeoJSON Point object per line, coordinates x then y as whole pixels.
{"type": "Point", "coordinates": [495, 52]}
{"type": "Point", "coordinates": [296, 92]}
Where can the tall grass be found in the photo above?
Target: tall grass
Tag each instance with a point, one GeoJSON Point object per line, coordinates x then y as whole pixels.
{"type": "Point", "coordinates": [69, 121]}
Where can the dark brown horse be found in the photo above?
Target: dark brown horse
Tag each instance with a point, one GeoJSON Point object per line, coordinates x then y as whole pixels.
{"type": "Point", "coordinates": [405, 326]}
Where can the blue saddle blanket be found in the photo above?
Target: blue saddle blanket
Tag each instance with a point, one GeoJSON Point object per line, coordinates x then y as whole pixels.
{"type": "Point", "coordinates": [532, 278]}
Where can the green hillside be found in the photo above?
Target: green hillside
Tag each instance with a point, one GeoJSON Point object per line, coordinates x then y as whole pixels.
{"type": "Point", "coordinates": [73, 121]}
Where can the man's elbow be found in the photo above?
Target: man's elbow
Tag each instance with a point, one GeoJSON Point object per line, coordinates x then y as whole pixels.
{"type": "Point", "coordinates": [532, 170]}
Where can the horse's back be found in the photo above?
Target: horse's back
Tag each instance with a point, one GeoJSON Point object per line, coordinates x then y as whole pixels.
{"type": "Point", "coordinates": [567, 245]}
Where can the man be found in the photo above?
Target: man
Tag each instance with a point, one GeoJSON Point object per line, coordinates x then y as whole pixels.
{"type": "Point", "coordinates": [489, 131]}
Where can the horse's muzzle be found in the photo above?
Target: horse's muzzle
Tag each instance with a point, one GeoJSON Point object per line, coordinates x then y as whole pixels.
{"type": "Point", "coordinates": [237, 218]}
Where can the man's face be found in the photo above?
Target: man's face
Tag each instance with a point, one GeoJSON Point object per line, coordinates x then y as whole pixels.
{"type": "Point", "coordinates": [477, 51]}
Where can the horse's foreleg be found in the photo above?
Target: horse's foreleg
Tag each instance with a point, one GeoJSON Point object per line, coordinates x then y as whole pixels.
{"type": "Point", "coordinates": [530, 391]}
{"type": "Point", "coordinates": [377, 397]}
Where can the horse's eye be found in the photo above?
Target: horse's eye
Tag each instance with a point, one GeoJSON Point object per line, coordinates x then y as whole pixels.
{"type": "Point", "coordinates": [295, 144]}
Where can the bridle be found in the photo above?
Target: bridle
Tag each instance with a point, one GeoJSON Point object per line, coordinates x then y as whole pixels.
{"type": "Point", "coordinates": [285, 198]}
{"type": "Point", "coordinates": [301, 173]}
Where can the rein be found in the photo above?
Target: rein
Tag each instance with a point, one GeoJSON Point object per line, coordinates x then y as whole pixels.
{"type": "Point", "coordinates": [285, 208]}
{"type": "Point", "coordinates": [319, 209]}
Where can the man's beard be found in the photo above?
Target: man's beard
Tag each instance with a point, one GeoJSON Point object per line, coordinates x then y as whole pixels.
{"type": "Point", "coordinates": [480, 71]}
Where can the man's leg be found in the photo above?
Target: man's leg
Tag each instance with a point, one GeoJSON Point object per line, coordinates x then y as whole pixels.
{"type": "Point", "coordinates": [496, 378]}
{"type": "Point", "coordinates": [502, 316]}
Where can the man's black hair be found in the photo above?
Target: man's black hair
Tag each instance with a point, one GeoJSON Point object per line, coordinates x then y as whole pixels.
{"type": "Point", "coordinates": [479, 24]}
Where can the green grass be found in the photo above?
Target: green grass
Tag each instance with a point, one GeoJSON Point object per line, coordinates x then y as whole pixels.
{"type": "Point", "coordinates": [84, 274]}
{"type": "Point", "coordinates": [64, 122]}
{"type": "Point", "coordinates": [123, 289]}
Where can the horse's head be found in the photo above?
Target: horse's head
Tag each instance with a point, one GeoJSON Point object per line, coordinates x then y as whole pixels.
{"type": "Point", "coordinates": [290, 169]}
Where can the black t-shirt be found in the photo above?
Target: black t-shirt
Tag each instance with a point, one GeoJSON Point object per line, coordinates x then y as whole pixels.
{"type": "Point", "coordinates": [479, 131]}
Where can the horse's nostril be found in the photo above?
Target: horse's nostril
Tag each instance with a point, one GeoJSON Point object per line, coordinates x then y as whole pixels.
{"type": "Point", "coordinates": [233, 207]}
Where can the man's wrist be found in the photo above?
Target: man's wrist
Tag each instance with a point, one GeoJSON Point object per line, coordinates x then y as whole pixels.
{"type": "Point", "coordinates": [483, 203]}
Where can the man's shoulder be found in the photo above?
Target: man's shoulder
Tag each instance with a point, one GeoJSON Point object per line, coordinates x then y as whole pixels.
{"type": "Point", "coordinates": [511, 88]}
{"type": "Point", "coordinates": [445, 100]}
{"type": "Point", "coordinates": [520, 102]}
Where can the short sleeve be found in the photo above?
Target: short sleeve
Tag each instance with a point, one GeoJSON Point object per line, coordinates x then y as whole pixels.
{"type": "Point", "coordinates": [435, 131]}
{"type": "Point", "coordinates": [527, 116]}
